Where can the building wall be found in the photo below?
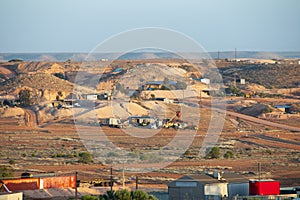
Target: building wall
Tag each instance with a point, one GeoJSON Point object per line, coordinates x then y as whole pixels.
{"type": "Point", "coordinates": [40, 183]}
{"type": "Point", "coordinates": [190, 190]}
{"type": "Point", "coordinates": [91, 97]}
{"type": "Point", "coordinates": [13, 196]}
{"type": "Point", "coordinates": [58, 182]}
{"type": "Point", "coordinates": [264, 187]}
{"type": "Point", "coordinates": [22, 184]}
{"type": "Point", "coordinates": [219, 189]}
{"type": "Point", "coordinates": [240, 189]}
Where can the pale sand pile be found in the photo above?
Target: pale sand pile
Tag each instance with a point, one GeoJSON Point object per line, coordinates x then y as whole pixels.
{"type": "Point", "coordinates": [11, 112]}
{"type": "Point", "coordinates": [255, 87]}
{"type": "Point", "coordinates": [173, 94]}
{"type": "Point", "coordinates": [115, 109]}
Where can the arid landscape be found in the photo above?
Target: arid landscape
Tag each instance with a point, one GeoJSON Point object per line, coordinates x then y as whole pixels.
{"type": "Point", "coordinates": [42, 132]}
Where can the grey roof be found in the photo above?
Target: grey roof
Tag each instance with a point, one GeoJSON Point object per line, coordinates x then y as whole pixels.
{"type": "Point", "coordinates": [202, 178]}
{"type": "Point", "coordinates": [161, 82]}
{"type": "Point", "coordinates": [234, 178]}
{"type": "Point", "coordinates": [208, 179]}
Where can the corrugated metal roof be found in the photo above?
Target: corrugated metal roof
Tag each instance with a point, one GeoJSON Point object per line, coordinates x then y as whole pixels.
{"type": "Point", "coordinates": [283, 106]}
{"type": "Point", "coordinates": [234, 178]}
{"type": "Point", "coordinates": [209, 179]}
{"type": "Point", "coordinates": [161, 83]}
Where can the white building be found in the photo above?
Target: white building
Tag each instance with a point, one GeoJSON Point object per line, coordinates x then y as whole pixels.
{"type": "Point", "coordinates": [205, 80]}
{"type": "Point", "coordinates": [212, 186]}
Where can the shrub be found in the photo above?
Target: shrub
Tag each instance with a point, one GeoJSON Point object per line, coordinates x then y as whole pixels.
{"type": "Point", "coordinates": [85, 157]}
{"type": "Point", "coordinates": [5, 172]}
{"type": "Point", "coordinates": [123, 194]}
{"type": "Point", "coordinates": [214, 153]}
{"type": "Point", "coordinates": [228, 154]}
{"type": "Point", "coordinates": [139, 195]}
{"type": "Point", "coordinates": [112, 154]}
{"type": "Point", "coordinates": [12, 162]}
{"type": "Point", "coordinates": [89, 197]}
{"type": "Point", "coordinates": [269, 151]}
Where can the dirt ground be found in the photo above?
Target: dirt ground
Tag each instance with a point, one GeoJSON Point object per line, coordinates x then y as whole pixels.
{"type": "Point", "coordinates": [54, 147]}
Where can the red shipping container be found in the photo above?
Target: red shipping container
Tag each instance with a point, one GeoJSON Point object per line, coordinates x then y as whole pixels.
{"type": "Point", "coordinates": [264, 187]}
{"type": "Point", "coordinates": [58, 182]}
{"type": "Point", "coordinates": [22, 184]}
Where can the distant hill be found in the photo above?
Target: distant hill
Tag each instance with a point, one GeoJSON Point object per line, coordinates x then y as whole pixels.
{"type": "Point", "coordinates": [142, 55]}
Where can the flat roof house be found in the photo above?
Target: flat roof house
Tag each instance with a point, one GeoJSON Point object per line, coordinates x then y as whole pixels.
{"type": "Point", "coordinates": [208, 186]}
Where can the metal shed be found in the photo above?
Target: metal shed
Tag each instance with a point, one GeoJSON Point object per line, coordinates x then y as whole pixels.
{"type": "Point", "coordinates": [210, 186]}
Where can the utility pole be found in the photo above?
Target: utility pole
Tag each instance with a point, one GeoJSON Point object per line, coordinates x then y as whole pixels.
{"type": "Point", "coordinates": [235, 54]}
{"type": "Point", "coordinates": [259, 171]}
{"type": "Point", "coordinates": [76, 192]}
{"type": "Point", "coordinates": [111, 179]}
{"type": "Point", "coordinates": [136, 183]}
{"type": "Point", "coordinates": [123, 177]}
{"type": "Point", "coordinates": [200, 94]}
{"type": "Point", "coordinates": [234, 83]}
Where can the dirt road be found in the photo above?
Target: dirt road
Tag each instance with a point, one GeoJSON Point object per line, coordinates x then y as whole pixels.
{"type": "Point", "coordinates": [30, 118]}
{"type": "Point", "coordinates": [7, 72]}
{"type": "Point", "coordinates": [260, 121]}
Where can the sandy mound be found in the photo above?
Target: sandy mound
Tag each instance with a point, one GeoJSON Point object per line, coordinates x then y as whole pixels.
{"type": "Point", "coordinates": [48, 113]}
{"type": "Point", "coordinates": [46, 67]}
{"type": "Point", "coordinates": [255, 87]}
{"type": "Point", "coordinates": [11, 112]}
{"type": "Point", "coordinates": [256, 110]}
{"type": "Point", "coordinates": [115, 109]}
{"type": "Point", "coordinates": [172, 94]}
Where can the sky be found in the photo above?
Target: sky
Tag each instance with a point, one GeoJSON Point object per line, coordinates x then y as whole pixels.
{"type": "Point", "coordinates": [28, 26]}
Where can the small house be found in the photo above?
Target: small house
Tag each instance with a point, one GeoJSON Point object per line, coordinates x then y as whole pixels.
{"type": "Point", "coordinates": [205, 81]}
{"type": "Point", "coordinates": [208, 186]}
{"type": "Point", "coordinates": [284, 108]}
{"type": "Point", "coordinates": [141, 120]}
{"type": "Point", "coordinates": [200, 186]}
{"type": "Point", "coordinates": [91, 97]}
{"type": "Point", "coordinates": [157, 85]}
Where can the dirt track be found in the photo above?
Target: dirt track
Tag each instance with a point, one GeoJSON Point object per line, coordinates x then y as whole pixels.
{"type": "Point", "coordinates": [261, 121]}
{"type": "Point", "coordinates": [30, 118]}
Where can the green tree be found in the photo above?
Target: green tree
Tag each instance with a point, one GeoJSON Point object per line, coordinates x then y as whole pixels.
{"type": "Point", "coordinates": [89, 197]}
{"type": "Point", "coordinates": [123, 195]}
{"type": "Point", "coordinates": [85, 157]}
{"type": "Point", "coordinates": [139, 195]}
{"type": "Point", "coordinates": [228, 154]}
{"type": "Point", "coordinates": [152, 197]}
{"type": "Point", "coordinates": [214, 153]}
{"type": "Point", "coordinates": [25, 97]}
{"type": "Point", "coordinates": [110, 195]}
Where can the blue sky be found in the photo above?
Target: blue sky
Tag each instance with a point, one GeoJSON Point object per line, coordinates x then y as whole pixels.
{"type": "Point", "coordinates": [79, 25]}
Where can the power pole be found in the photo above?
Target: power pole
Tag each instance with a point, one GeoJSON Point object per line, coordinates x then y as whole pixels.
{"type": "Point", "coordinates": [259, 171]}
{"type": "Point", "coordinates": [123, 178]}
{"type": "Point", "coordinates": [111, 179]}
{"type": "Point", "coordinates": [136, 183]}
{"type": "Point", "coordinates": [76, 192]}
{"type": "Point", "coordinates": [235, 54]}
